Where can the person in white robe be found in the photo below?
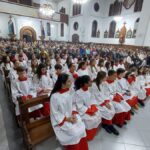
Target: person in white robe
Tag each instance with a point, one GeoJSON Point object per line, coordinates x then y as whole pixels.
{"type": "Point", "coordinates": [56, 73]}
{"type": "Point", "coordinates": [23, 87]}
{"type": "Point", "coordinates": [92, 69]}
{"type": "Point", "coordinates": [122, 108]}
{"type": "Point", "coordinates": [123, 88]}
{"type": "Point", "coordinates": [104, 104]}
{"type": "Point", "coordinates": [135, 85]}
{"type": "Point", "coordinates": [82, 69]}
{"type": "Point", "coordinates": [66, 122]}
{"type": "Point", "coordinates": [86, 106]}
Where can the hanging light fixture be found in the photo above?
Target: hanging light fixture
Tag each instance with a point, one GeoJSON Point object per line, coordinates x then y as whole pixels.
{"type": "Point", "coordinates": [46, 10]}
{"type": "Point", "coordinates": [80, 1]}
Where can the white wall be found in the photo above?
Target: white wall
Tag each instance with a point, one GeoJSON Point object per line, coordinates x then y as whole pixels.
{"type": "Point", "coordinates": [21, 21]}
{"type": "Point", "coordinates": [85, 19]}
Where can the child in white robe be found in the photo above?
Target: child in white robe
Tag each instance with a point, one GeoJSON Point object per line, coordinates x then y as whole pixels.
{"type": "Point", "coordinates": [23, 87]}
{"type": "Point", "coordinates": [44, 85]}
{"type": "Point", "coordinates": [82, 69]}
{"type": "Point", "coordinates": [86, 106]}
{"type": "Point", "coordinates": [143, 79]}
{"type": "Point", "coordinates": [136, 86]}
{"type": "Point", "coordinates": [92, 69]}
{"type": "Point", "coordinates": [104, 104]}
{"type": "Point", "coordinates": [56, 73]}
{"type": "Point", "coordinates": [123, 88]}
{"type": "Point", "coordinates": [122, 108]}
{"type": "Point", "coordinates": [66, 122]}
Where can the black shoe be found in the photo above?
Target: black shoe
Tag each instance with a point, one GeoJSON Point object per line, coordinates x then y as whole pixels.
{"type": "Point", "coordinates": [141, 103]}
{"type": "Point", "coordinates": [118, 125]}
{"type": "Point", "coordinates": [106, 127]}
{"type": "Point", "coordinates": [114, 131]}
{"type": "Point", "coordinates": [125, 123]}
{"type": "Point", "coordinates": [132, 112]}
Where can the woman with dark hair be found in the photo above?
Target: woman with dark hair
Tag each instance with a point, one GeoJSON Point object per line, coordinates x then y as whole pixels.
{"type": "Point", "coordinates": [103, 102]}
{"type": "Point", "coordinates": [92, 69]}
{"type": "Point", "coordinates": [86, 106]}
{"type": "Point", "coordinates": [82, 69]}
{"type": "Point", "coordinates": [67, 124]}
{"type": "Point", "coordinates": [42, 80]}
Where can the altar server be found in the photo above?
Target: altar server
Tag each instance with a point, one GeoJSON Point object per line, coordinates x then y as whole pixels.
{"type": "Point", "coordinates": [92, 69]}
{"type": "Point", "coordinates": [86, 106]}
{"type": "Point", "coordinates": [82, 69]}
{"type": "Point", "coordinates": [122, 108]}
{"type": "Point", "coordinates": [104, 104]}
{"type": "Point", "coordinates": [66, 122]}
{"type": "Point", "coordinates": [23, 87]}
{"type": "Point", "coordinates": [123, 88]}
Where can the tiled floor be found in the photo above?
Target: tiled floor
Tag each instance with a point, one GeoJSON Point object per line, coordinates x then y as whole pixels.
{"type": "Point", "coordinates": [3, 137]}
{"type": "Point", "coordinates": [134, 136]}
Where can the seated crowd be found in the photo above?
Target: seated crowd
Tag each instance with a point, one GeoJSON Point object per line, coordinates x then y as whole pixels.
{"type": "Point", "coordinates": [90, 86]}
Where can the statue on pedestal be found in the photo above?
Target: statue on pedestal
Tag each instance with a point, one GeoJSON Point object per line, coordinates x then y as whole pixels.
{"type": "Point", "coordinates": [11, 29]}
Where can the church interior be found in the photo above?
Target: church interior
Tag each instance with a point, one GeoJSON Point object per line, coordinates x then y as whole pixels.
{"type": "Point", "coordinates": [74, 74]}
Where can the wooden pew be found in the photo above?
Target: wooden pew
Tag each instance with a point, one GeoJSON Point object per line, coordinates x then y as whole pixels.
{"type": "Point", "coordinates": [7, 82]}
{"type": "Point", "coordinates": [36, 131]}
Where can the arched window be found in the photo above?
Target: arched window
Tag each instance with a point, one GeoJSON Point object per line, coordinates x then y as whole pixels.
{"type": "Point", "coordinates": [48, 29]}
{"type": "Point", "coordinates": [138, 5]}
{"type": "Point", "coordinates": [94, 28]}
{"type": "Point", "coordinates": [76, 9]}
{"type": "Point", "coordinates": [112, 29]}
{"type": "Point", "coordinates": [62, 29]}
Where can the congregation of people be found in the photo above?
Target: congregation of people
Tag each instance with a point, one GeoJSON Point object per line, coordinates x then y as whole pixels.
{"type": "Point", "coordinates": [91, 86]}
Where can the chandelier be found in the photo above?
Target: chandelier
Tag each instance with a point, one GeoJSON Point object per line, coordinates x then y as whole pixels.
{"type": "Point", "coordinates": [80, 1]}
{"type": "Point", "coordinates": [46, 10]}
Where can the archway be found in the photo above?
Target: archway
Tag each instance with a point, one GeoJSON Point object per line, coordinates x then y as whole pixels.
{"type": "Point", "coordinates": [28, 33]}
{"type": "Point", "coordinates": [75, 38]}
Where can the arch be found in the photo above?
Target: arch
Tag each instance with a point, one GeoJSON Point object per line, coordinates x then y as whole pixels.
{"type": "Point", "coordinates": [94, 28]}
{"type": "Point", "coordinates": [112, 29]}
{"type": "Point", "coordinates": [28, 32]}
{"type": "Point", "coordinates": [75, 38]}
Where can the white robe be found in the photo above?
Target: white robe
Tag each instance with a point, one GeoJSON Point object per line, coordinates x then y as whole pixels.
{"type": "Point", "coordinates": [111, 90]}
{"type": "Point", "coordinates": [83, 101]}
{"type": "Point", "coordinates": [100, 98]}
{"type": "Point", "coordinates": [83, 72]}
{"type": "Point", "coordinates": [23, 88]}
{"type": "Point", "coordinates": [62, 106]}
{"type": "Point", "coordinates": [123, 87]}
{"type": "Point", "coordinates": [45, 82]}
{"type": "Point", "coordinates": [138, 89]}
{"type": "Point", "coordinates": [92, 72]}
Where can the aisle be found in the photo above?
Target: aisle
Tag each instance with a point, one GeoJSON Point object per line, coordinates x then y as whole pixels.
{"type": "Point", "coordinates": [3, 137]}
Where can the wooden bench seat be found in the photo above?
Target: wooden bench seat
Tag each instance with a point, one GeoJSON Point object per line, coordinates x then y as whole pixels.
{"type": "Point", "coordinates": [34, 131]}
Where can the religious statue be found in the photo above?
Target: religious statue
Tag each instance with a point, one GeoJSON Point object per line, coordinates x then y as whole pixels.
{"type": "Point", "coordinates": [42, 37]}
{"type": "Point", "coordinates": [98, 34]}
{"type": "Point", "coordinates": [122, 35]}
{"type": "Point", "coordinates": [11, 29]}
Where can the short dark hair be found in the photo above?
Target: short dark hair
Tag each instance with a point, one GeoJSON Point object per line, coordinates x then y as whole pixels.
{"type": "Point", "coordinates": [58, 66]}
{"type": "Point", "coordinates": [120, 70]}
{"type": "Point", "coordinates": [111, 72]}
